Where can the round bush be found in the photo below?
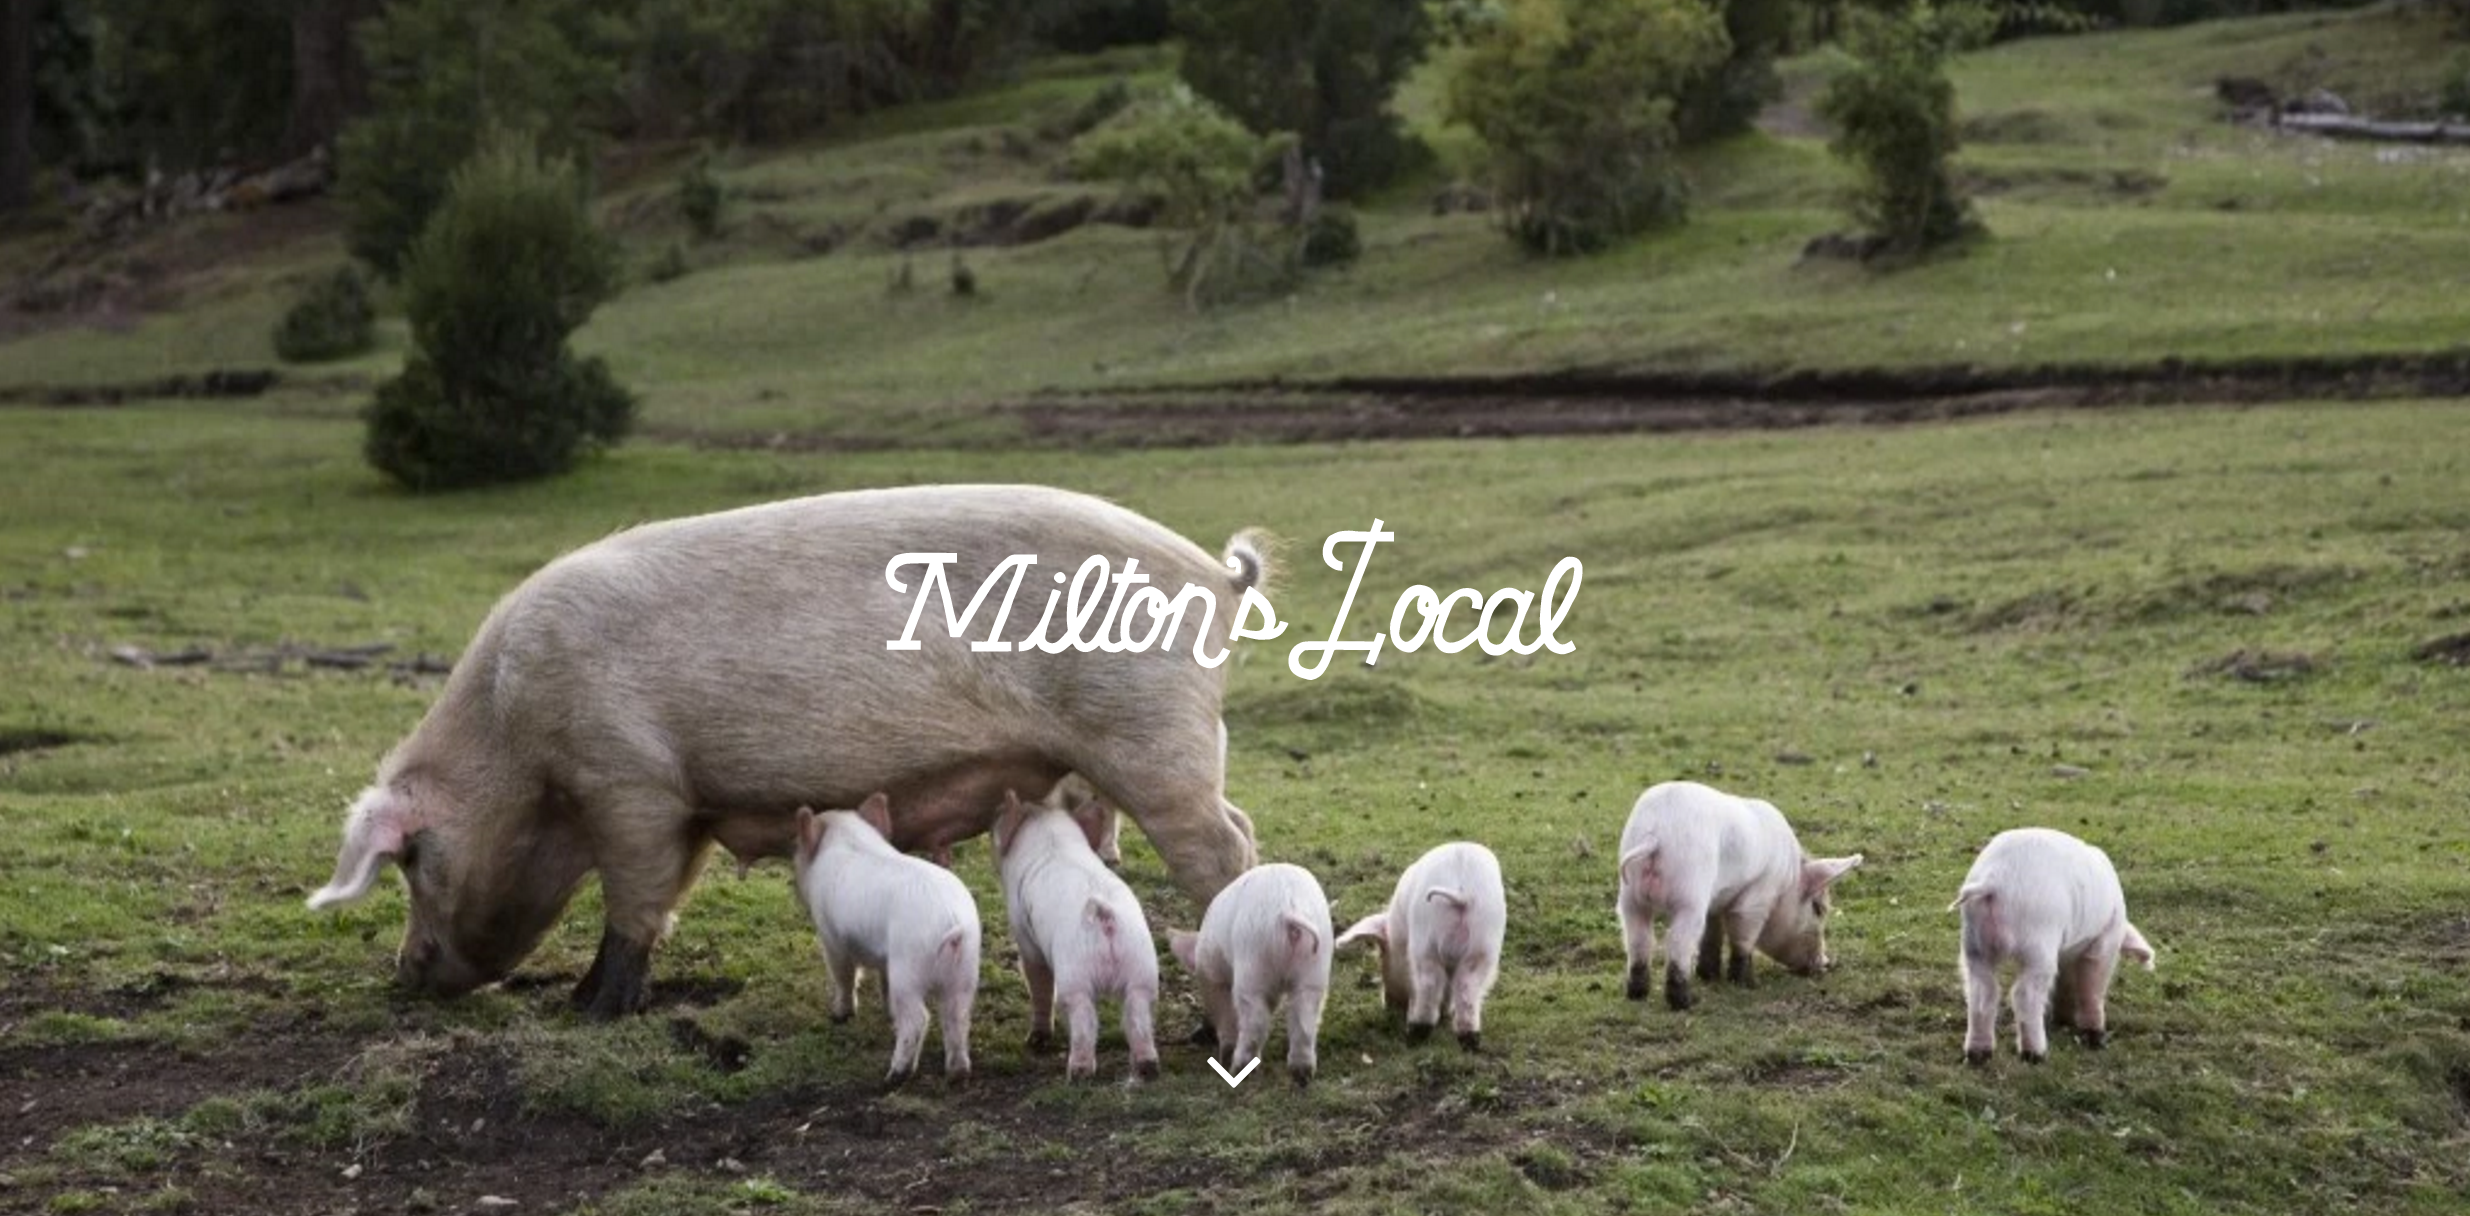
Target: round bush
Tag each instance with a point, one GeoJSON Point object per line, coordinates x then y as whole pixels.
{"type": "Point", "coordinates": [508, 267]}
{"type": "Point", "coordinates": [1331, 239]}
{"type": "Point", "coordinates": [332, 320]}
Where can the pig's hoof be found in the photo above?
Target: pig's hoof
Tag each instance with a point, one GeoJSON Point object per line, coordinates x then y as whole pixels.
{"type": "Point", "coordinates": [1472, 1040]}
{"type": "Point", "coordinates": [2093, 1040]}
{"type": "Point", "coordinates": [2036, 1057]}
{"type": "Point", "coordinates": [1204, 1035]}
{"type": "Point", "coordinates": [1041, 1041]}
{"type": "Point", "coordinates": [1677, 992]}
{"type": "Point", "coordinates": [898, 1077]}
{"type": "Point", "coordinates": [1146, 1070]}
{"type": "Point", "coordinates": [1080, 1072]}
{"type": "Point", "coordinates": [957, 1076]}
{"type": "Point", "coordinates": [1417, 1032]}
{"type": "Point", "coordinates": [840, 1017]}
{"type": "Point", "coordinates": [1638, 984]}
{"type": "Point", "coordinates": [1976, 1056]}
{"type": "Point", "coordinates": [1301, 1076]}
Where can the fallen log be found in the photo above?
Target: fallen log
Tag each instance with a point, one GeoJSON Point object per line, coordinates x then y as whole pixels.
{"type": "Point", "coordinates": [2344, 126]}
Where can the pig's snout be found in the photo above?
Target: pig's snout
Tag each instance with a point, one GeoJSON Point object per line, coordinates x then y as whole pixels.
{"type": "Point", "coordinates": [425, 968]}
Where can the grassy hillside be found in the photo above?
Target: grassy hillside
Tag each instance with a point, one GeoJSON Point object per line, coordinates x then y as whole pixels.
{"type": "Point", "coordinates": [1896, 635]}
{"type": "Point", "coordinates": [2129, 223]}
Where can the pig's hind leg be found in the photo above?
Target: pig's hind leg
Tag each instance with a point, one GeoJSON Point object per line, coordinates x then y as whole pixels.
{"type": "Point", "coordinates": [1080, 1011]}
{"type": "Point", "coordinates": [1638, 942]}
{"type": "Point", "coordinates": [905, 994]}
{"type": "Point", "coordinates": [1681, 938]}
{"type": "Point", "coordinates": [1140, 1013]}
{"type": "Point", "coordinates": [1430, 983]}
{"type": "Point", "coordinates": [2035, 976]}
{"type": "Point", "coordinates": [1040, 976]}
{"type": "Point", "coordinates": [2091, 983]}
{"type": "Point", "coordinates": [959, 993]}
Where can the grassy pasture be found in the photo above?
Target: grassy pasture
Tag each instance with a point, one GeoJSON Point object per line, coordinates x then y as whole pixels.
{"type": "Point", "coordinates": [1897, 635]}
{"type": "Point", "coordinates": [2129, 222]}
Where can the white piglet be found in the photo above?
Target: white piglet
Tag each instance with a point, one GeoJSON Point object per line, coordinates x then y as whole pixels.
{"type": "Point", "coordinates": [1440, 940]}
{"type": "Point", "coordinates": [1265, 937]}
{"type": "Point", "coordinates": [1705, 860]}
{"type": "Point", "coordinates": [2052, 904]}
{"type": "Point", "coordinates": [1080, 931]}
{"type": "Point", "coordinates": [909, 920]}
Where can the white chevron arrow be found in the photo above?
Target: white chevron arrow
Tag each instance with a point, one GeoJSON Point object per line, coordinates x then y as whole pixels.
{"type": "Point", "coordinates": [1237, 1078]}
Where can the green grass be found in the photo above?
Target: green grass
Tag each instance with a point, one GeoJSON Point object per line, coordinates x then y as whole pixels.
{"type": "Point", "coordinates": [2128, 222]}
{"type": "Point", "coordinates": [1933, 618]}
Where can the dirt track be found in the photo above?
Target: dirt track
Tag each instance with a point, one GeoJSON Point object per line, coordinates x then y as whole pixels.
{"type": "Point", "coordinates": [1557, 403]}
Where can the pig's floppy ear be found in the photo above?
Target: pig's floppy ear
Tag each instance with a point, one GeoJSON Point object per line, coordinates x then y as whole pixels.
{"type": "Point", "coordinates": [1092, 815]}
{"type": "Point", "coordinates": [1186, 946]}
{"type": "Point", "coordinates": [1819, 874]}
{"type": "Point", "coordinates": [381, 820]}
{"type": "Point", "coordinates": [810, 831]}
{"type": "Point", "coordinates": [1374, 928]}
{"type": "Point", "coordinates": [877, 812]}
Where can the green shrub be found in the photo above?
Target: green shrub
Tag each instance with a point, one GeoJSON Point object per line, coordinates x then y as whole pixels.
{"type": "Point", "coordinates": [1574, 100]}
{"type": "Point", "coordinates": [442, 71]}
{"type": "Point", "coordinates": [1323, 70]}
{"type": "Point", "coordinates": [1201, 164]}
{"type": "Point", "coordinates": [333, 319]}
{"type": "Point", "coordinates": [507, 269]}
{"type": "Point", "coordinates": [1894, 116]}
{"type": "Point", "coordinates": [1330, 238]}
{"type": "Point", "coordinates": [1726, 98]}
{"type": "Point", "coordinates": [699, 197]}
{"type": "Point", "coordinates": [2455, 100]}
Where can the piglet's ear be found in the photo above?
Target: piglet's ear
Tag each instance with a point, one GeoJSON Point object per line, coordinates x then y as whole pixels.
{"type": "Point", "coordinates": [1186, 946]}
{"type": "Point", "coordinates": [810, 831]}
{"type": "Point", "coordinates": [1819, 874]}
{"type": "Point", "coordinates": [877, 812]}
{"type": "Point", "coordinates": [1092, 816]}
{"type": "Point", "coordinates": [372, 836]}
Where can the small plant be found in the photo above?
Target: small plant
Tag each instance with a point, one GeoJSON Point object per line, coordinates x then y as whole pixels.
{"type": "Point", "coordinates": [670, 266]}
{"type": "Point", "coordinates": [2454, 102]}
{"type": "Point", "coordinates": [333, 319]}
{"type": "Point", "coordinates": [1202, 164]}
{"type": "Point", "coordinates": [1894, 115]}
{"type": "Point", "coordinates": [1575, 100]}
{"type": "Point", "coordinates": [700, 198]}
{"type": "Point", "coordinates": [1330, 238]}
{"type": "Point", "coordinates": [509, 267]}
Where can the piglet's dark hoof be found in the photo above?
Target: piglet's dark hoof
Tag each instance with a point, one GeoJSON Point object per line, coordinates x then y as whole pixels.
{"type": "Point", "coordinates": [1417, 1032]}
{"type": "Point", "coordinates": [1976, 1058]}
{"type": "Point", "coordinates": [1301, 1076]}
{"type": "Point", "coordinates": [1637, 990]}
{"type": "Point", "coordinates": [2036, 1057]}
{"type": "Point", "coordinates": [1677, 992]}
{"type": "Point", "coordinates": [1146, 1070]}
{"type": "Point", "coordinates": [1472, 1040]}
{"type": "Point", "coordinates": [957, 1078]}
{"type": "Point", "coordinates": [2093, 1040]}
{"type": "Point", "coordinates": [1041, 1042]}
{"type": "Point", "coordinates": [1204, 1035]}
{"type": "Point", "coordinates": [840, 1019]}
{"type": "Point", "coordinates": [895, 1080]}
{"type": "Point", "coordinates": [619, 982]}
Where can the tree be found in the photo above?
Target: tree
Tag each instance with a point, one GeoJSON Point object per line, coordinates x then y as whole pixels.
{"type": "Point", "coordinates": [16, 103]}
{"type": "Point", "coordinates": [442, 71]}
{"type": "Point", "coordinates": [1894, 115]}
{"type": "Point", "coordinates": [1321, 69]}
{"type": "Point", "coordinates": [1574, 99]}
{"type": "Point", "coordinates": [509, 266]}
{"type": "Point", "coordinates": [330, 82]}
